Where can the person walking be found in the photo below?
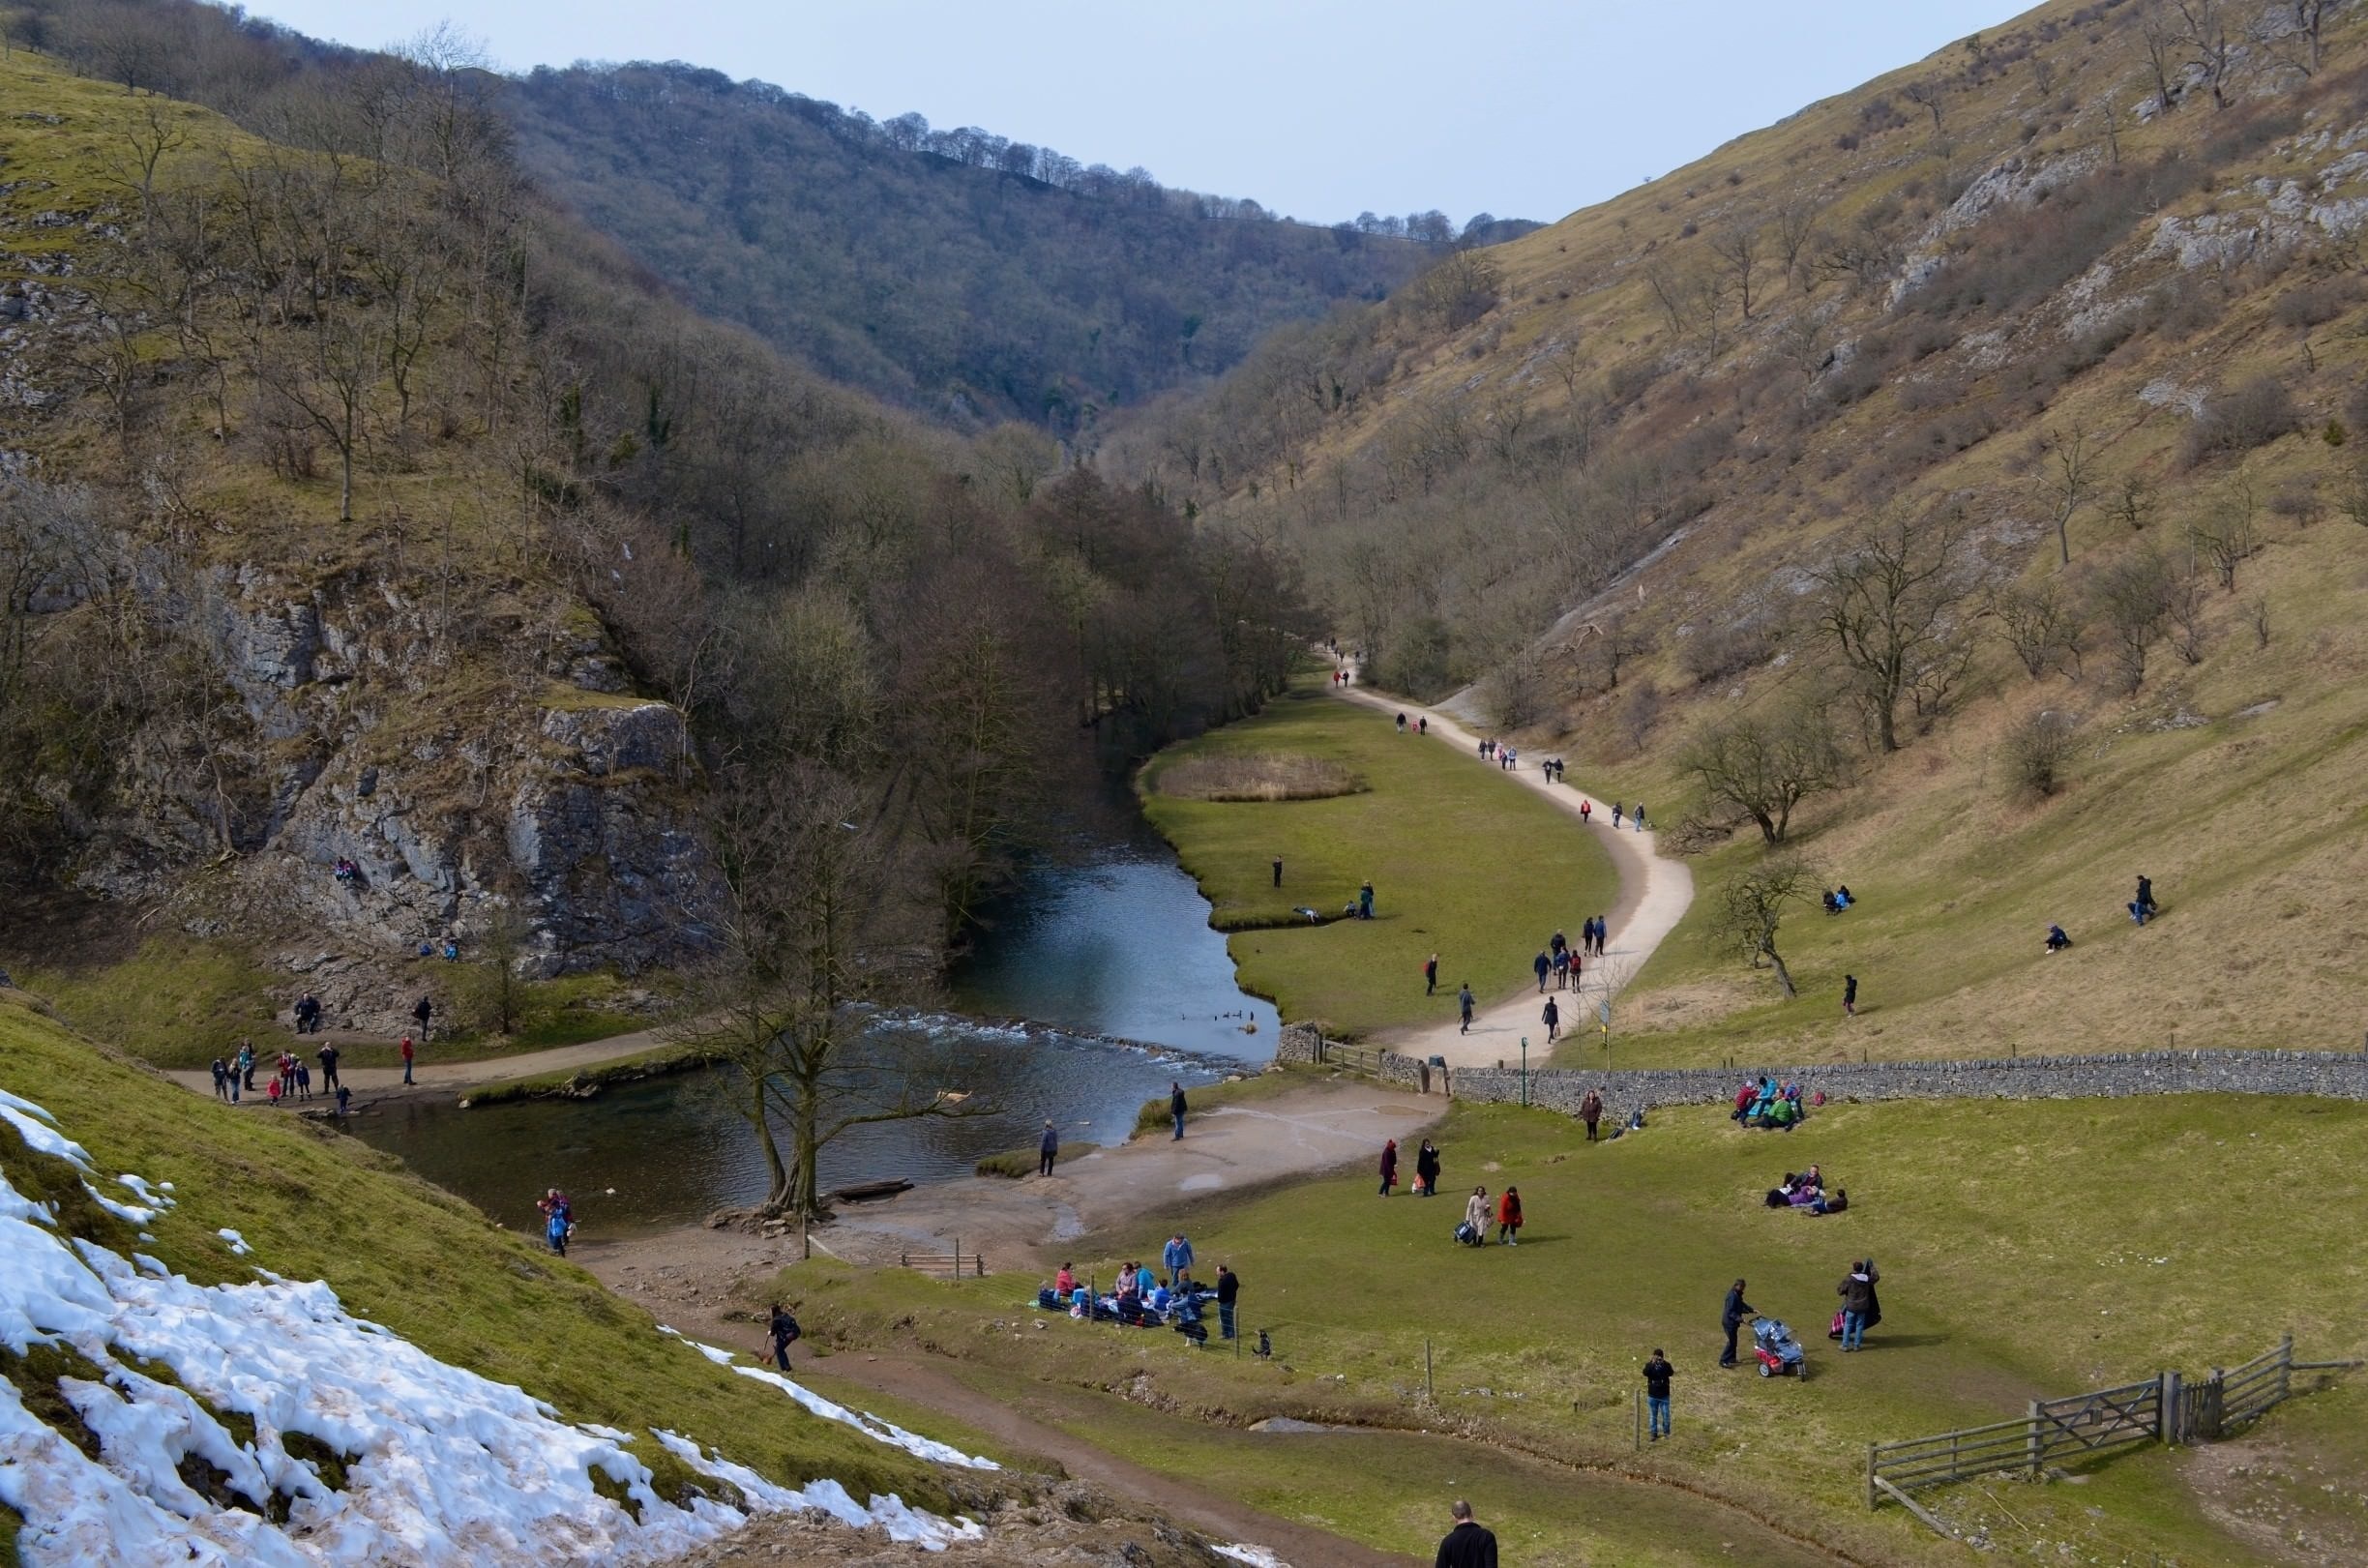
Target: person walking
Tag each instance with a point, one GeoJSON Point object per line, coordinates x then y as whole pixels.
{"type": "Point", "coordinates": [246, 1064]}
{"type": "Point", "coordinates": [2141, 906]}
{"type": "Point", "coordinates": [1657, 1375]}
{"type": "Point", "coordinates": [1603, 934]}
{"type": "Point", "coordinates": [1177, 1256]}
{"type": "Point", "coordinates": [1047, 1150]}
{"type": "Point", "coordinates": [1476, 1215]}
{"type": "Point", "coordinates": [1466, 1545]}
{"type": "Point", "coordinates": [304, 1081]}
{"type": "Point", "coordinates": [1509, 1217]}
{"type": "Point", "coordinates": [1422, 723]}
{"type": "Point", "coordinates": [423, 1012]}
{"type": "Point", "coordinates": [1561, 969]}
{"type": "Point", "coordinates": [344, 1098]}
{"type": "Point", "coordinates": [406, 1053]}
{"type": "Point", "coordinates": [1552, 1020]}
{"type": "Point", "coordinates": [1617, 810]}
{"type": "Point", "coordinates": [1389, 1167]}
{"type": "Point", "coordinates": [222, 1081]}
{"type": "Point", "coordinates": [1463, 1001]}
{"type": "Point", "coordinates": [784, 1332]}
{"type": "Point", "coordinates": [1590, 1111]}
{"type": "Point", "coordinates": [1640, 817]}
{"type": "Point", "coordinates": [328, 1056]}
{"type": "Point", "coordinates": [1857, 1294]}
{"type": "Point", "coordinates": [1850, 996]}
{"type": "Point", "coordinates": [1430, 975]}
{"type": "Point", "coordinates": [1365, 900]}
{"type": "Point", "coordinates": [1586, 813]}
{"type": "Point", "coordinates": [1731, 1317]}
{"type": "Point", "coordinates": [1229, 1291]}
{"type": "Point", "coordinates": [1541, 964]}
{"type": "Point", "coordinates": [1278, 871]}
{"type": "Point", "coordinates": [1427, 1170]}
{"type": "Point", "coordinates": [1175, 1107]}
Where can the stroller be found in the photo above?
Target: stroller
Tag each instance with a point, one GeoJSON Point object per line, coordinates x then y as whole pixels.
{"type": "Point", "coordinates": [1777, 1351]}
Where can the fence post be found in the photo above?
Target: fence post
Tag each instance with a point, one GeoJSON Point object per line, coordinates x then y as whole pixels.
{"type": "Point", "coordinates": [1639, 1420]}
{"type": "Point", "coordinates": [2173, 1417]}
{"type": "Point", "coordinates": [2034, 1445]}
{"type": "Point", "coordinates": [1870, 1475]}
{"type": "Point", "coordinates": [1427, 1393]}
{"type": "Point", "coordinates": [2285, 1365]}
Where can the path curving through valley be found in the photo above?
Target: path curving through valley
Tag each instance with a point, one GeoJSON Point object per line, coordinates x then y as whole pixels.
{"type": "Point", "coordinates": [1655, 892]}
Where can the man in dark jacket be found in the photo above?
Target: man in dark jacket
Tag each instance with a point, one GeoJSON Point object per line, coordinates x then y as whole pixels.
{"type": "Point", "coordinates": [1467, 1545]}
{"type": "Point", "coordinates": [1464, 1005]}
{"type": "Point", "coordinates": [1857, 1294]}
{"type": "Point", "coordinates": [1731, 1317]}
{"type": "Point", "coordinates": [784, 1331]}
{"type": "Point", "coordinates": [1657, 1375]}
{"type": "Point", "coordinates": [1047, 1150]}
{"type": "Point", "coordinates": [1175, 1105]}
{"type": "Point", "coordinates": [1228, 1287]}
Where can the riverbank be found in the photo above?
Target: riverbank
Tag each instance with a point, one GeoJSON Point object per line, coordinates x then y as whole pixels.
{"type": "Point", "coordinates": [527, 1074]}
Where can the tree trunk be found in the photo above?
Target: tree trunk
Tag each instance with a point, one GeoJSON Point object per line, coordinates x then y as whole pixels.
{"type": "Point", "coordinates": [777, 1195]}
{"type": "Point", "coordinates": [1784, 976]}
{"type": "Point", "coordinates": [1768, 829]}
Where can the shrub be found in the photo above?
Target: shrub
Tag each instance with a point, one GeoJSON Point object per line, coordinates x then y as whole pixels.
{"type": "Point", "coordinates": [1257, 777]}
{"type": "Point", "coordinates": [2234, 423]}
{"type": "Point", "coordinates": [2311, 303]}
{"type": "Point", "coordinates": [2037, 751]}
{"type": "Point", "coordinates": [1728, 648]}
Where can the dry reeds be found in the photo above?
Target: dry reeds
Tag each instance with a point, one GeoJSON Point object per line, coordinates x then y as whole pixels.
{"type": "Point", "coordinates": [1254, 777]}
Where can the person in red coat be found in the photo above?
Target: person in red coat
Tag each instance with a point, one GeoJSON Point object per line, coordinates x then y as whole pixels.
{"type": "Point", "coordinates": [1509, 1217]}
{"type": "Point", "coordinates": [1389, 1167]}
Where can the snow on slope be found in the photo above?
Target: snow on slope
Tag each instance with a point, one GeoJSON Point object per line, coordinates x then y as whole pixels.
{"type": "Point", "coordinates": [442, 1466]}
{"type": "Point", "coordinates": [869, 1425]}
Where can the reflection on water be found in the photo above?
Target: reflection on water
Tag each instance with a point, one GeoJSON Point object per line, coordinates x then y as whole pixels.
{"type": "Point", "coordinates": [1120, 946]}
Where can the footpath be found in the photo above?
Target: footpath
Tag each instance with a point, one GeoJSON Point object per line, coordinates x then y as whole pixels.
{"type": "Point", "coordinates": [430, 1075]}
{"type": "Point", "coordinates": [1654, 894]}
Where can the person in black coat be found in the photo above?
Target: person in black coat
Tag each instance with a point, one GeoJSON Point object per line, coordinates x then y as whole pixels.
{"type": "Point", "coordinates": [1730, 1318]}
{"type": "Point", "coordinates": [1469, 1544]}
{"type": "Point", "coordinates": [1427, 1168]}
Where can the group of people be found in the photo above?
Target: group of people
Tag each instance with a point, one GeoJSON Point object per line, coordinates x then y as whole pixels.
{"type": "Point", "coordinates": [1763, 1102]}
{"type": "Point", "coordinates": [292, 1078]}
{"type": "Point", "coordinates": [1478, 1211]}
{"type": "Point", "coordinates": [1806, 1190]}
{"type": "Point", "coordinates": [1838, 898]}
{"type": "Point", "coordinates": [346, 870]}
{"type": "Point", "coordinates": [1421, 724]}
{"type": "Point", "coordinates": [1426, 1169]}
{"type": "Point", "coordinates": [2141, 908]}
{"type": "Point", "coordinates": [1144, 1298]}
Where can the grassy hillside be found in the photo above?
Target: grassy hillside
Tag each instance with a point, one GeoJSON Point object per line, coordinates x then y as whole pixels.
{"type": "Point", "coordinates": [316, 1205]}
{"type": "Point", "coordinates": [1614, 483]}
{"type": "Point", "coordinates": [960, 281]}
{"type": "Point", "coordinates": [1454, 857]}
{"type": "Point", "coordinates": [2009, 1272]}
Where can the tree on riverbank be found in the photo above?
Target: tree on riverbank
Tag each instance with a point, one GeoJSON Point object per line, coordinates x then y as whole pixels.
{"type": "Point", "coordinates": [817, 887]}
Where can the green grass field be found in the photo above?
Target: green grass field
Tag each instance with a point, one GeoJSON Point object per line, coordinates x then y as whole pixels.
{"type": "Point", "coordinates": [2011, 1271]}
{"type": "Point", "coordinates": [1465, 865]}
{"type": "Point", "coordinates": [314, 1204]}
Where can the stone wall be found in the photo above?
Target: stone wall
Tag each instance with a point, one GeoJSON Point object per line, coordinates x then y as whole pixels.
{"type": "Point", "coordinates": [2340, 1075]}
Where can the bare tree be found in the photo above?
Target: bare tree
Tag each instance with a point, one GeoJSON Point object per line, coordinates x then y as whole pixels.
{"type": "Point", "coordinates": [2132, 596]}
{"type": "Point", "coordinates": [2293, 29]}
{"type": "Point", "coordinates": [2228, 533]}
{"type": "Point", "coordinates": [1927, 95]}
{"type": "Point", "coordinates": [2133, 503]}
{"type": "Point", "coordinates": [1887, 603]}
{"type": "Point", "coordinates": [1795, 227]}
{"type": "Point", "coordinates": [1752, 907]}
{"type": "Point", "coordinates": [1765, 766]}
{"type": "Point", "coordinates": [808, 879]}
{"type": "Point", "coordinates": [1742, 249]}
{"type": "Point", "coordinates": [2158, 30]}
{"type": "Point", "coordinates": [2042, 626]}
{"type": "Point", "coordinates": [2186, 604]}
{"type": "Point", "coordinates": [2204, 32]}
{"type": "Point", "coordinates": [2351, 493]}
{"type": "Point", "coordinates": [2067, 483]}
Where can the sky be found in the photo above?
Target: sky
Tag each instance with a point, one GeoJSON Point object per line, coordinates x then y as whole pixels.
{"type": "Point", "coordinates": [1316, 108]}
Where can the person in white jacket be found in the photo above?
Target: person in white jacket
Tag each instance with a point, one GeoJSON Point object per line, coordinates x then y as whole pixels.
{"type": "Point", "coordinates": [1477, 1214]}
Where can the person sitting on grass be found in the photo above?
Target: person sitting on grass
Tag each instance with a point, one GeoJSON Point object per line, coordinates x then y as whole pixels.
{"type": "Point", "coordinates": [1835, 1204]}
{"type": "Point", "coordinates": [2056, 940]}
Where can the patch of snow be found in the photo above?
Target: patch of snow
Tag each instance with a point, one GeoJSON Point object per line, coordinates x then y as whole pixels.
{"type": "Point", "coordinates": [2165, 393]}
{"type": "Point", "coordinates": [721, 1359]}
{"type": "Point", "coordinates": [127, 1212]}
{"type": "Point", "coordinates": [903, 1524]}
{"type": "Point", "coordinates": [158, 1196]}
{"type": "Point", "coordinates": [238, 1243]}
{"type": "Point", "coordinates": [442, 1466]}
{"type": "Point", "coordinates": [39, 1136]}
{"type": "Point", "coordinates": [1257, 1557]}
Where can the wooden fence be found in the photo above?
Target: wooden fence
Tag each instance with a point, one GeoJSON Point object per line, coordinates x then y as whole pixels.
{"type": "Point", "coordinates": [2165, 1408]}
{"type": "Point", "coordinates": [1356, 1059]}
{"type": "Point", "coordinates": [955, 1264]}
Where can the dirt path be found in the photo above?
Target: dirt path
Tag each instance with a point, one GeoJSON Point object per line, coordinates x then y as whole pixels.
{"type": "Point", "coordinates": [1655, 892]}
{"type": "Point", "coordinates": [431, 1077]}
{"type": "Point", "coordinates": [928, 1381]}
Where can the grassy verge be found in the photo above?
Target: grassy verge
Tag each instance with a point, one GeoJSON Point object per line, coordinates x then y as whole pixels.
{"type": "Point", "coordinates": [2012, 1270]}
{"type": "Point", "coordinates": [1240, 1091]}
{"type": "Point", "coordinates": [582, 1082]}
{"type": "Point", "coordinates": [1472, 868]}
{"type": "Point", "coordinates": [1019, 1163]}
{"type": "Point", "coordinates": [316, 1205]}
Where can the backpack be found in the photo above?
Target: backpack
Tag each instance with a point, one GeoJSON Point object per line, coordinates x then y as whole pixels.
{"type": "Point", "coordinates": [1466, 1234]}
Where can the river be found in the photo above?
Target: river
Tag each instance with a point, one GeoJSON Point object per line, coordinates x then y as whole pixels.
{"type": "Point", "coordinates": [1114, 942]}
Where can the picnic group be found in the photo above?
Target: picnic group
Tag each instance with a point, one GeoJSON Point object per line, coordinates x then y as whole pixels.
{"type": "Point", "coordinates": [1141, 1297]}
